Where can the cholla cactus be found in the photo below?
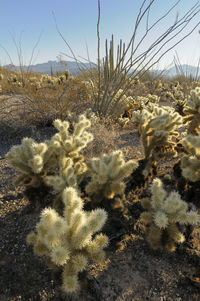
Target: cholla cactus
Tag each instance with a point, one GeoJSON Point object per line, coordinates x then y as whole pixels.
{"type": "Point", "coordinates": [179, 106]}
{"type": "Point", "coordinates": [157, 129]}
{"type": "Point", "coordinates": [107, 173]}
{"type": "Point", "coordinates": [68, 240]}
{"type": "Point", "coordinates": [66, 175]}
{"type": "Point", "coordinates": [172, 91]}
{"type": "Point", "coordinates": [190, 162]}
{"type": "Point", "coordinates": [192, 111]}
{"type": "Point", "coordinates": [70, 175]}
{"type": "Point", "coordinates": [71, 144]}
{"type": "Point", "coordinates": [33, 160]}
{"type": "Point", "coordinates": [73, 118]}
{"type": "Point", "coordinates": [163, 216]}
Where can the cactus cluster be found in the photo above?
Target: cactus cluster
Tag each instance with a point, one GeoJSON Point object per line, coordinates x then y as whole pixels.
{"type": "Point", "coordinates": [157, 129]}
{"type": "Point", "coordinates": [107, 174]}
{"type": "Point", "coordinates": [164, 214]}
{"type": "Point", "coordinates": [190, 161]}
{"type": "Point", "coordinates": [192, 111]}
{"type": "Point", "coordinates": [68, 241]}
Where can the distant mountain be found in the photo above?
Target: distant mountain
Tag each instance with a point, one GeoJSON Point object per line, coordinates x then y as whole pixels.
{"type": "Point", "coordinates": [181, 70]}
{"type": "Point", "coordinates": [57, 66]}
{"type": "Point", "coordinates": [74, 68]}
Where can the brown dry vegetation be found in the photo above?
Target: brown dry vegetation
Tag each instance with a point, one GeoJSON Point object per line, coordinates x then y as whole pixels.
{"type": "Point", "coordinates": [131, 271]}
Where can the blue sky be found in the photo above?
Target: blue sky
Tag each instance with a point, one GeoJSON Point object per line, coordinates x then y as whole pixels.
{"type": "Point", "coordinates": [77, 21]}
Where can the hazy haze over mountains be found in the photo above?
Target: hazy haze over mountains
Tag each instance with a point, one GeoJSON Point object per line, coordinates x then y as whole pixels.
{"type": "Point", "coordinates": [73, 68]}
{"type": "Point", "coordinates": [55, 66]}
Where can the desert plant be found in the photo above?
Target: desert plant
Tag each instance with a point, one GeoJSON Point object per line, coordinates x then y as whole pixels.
{"type": "Point", "coordinates": [164, 215]}
{"type": "Point", "coordinates": [192, 111]}
{"type": "Point", "coordinates": [107, 173]}
{"type": "Point", "coordinates": [33, 160]}
{"type": "Point", "coordinates": [71, 144]}
{"type": "Point", "coordinates": [68, 241]}
{"type": "Point", "coordinates": [157, 129]}
{"type": "Point", "coordinates": [70, 175]}
{"type": "Point", "coordinates": [190, 161]}
{"type": "Point", "coordinates": [135, 59]}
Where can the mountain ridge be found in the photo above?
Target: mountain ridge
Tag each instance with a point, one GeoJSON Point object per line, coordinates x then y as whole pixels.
{"type": "Point", "coordinates": [73, 67]}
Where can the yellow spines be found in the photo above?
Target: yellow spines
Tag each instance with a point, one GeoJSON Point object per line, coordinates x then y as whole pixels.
{"type": "Point", "coordinates": [107, 173]}
{"type": "Point", "coordinates": [163, 213]}
{"type": "Point", "coordinates": [68, 240]}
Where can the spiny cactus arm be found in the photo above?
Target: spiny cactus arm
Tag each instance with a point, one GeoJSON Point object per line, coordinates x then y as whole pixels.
{"type": "Point", "coordinates": [81, 125]}
{"type": "Point", "coordinates": [70, 273]}
{"type": "Point", "coordinates": [158, 194]}
{"type": "Point", "coordinates": [190, 163]}
{"type": "Point", "coordinates": [95, 221]}
{"type": "Point", "coordinates": [72, 203]}
{"type": "Point", "coordinates": [81, 171]}
{"type": "Point", "coordinates": [114, 188]}
{"type": "Point", "coordinates": [98, 243]}
{"type": "Point", "coordinates": [69, 280]}
{"type": "Point", "coordinates": [160, 219]}
{"type": "Point", "coordinates": [39, 247]}
{"type": "Point", "coordinates": [154, 236]}
{"type": "Point", "coordinates": [60, 254]}
{"type": "Point", "coordinates": [146, 217]}
{"type": "Point", "coordinates": [192, 218]}
{"type": "Point", "coordinates": [175, 234]}
{"type": "Point", "coordinates": [61, 126]}
{"type": "Point", "coordinates": [192, 144]}
{"type": "Point", "coordinates": [49, 159]}
{"type": "Point", "coordinates": [146, 203]}
{"type": "Point", "coordinates": [124, 171]}
{"type": "Point", "coordinates": [21, 179]}
{"type": "Point", "coordinates": [66, 175]}
{"type": "Point", "coordinates": [56, 181]}
{"type": "Point", "coordinates": [17, 163]}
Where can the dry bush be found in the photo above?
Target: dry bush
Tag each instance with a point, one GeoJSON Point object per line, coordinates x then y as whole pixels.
{"type": "Point", "coordinates": [104, 142]}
